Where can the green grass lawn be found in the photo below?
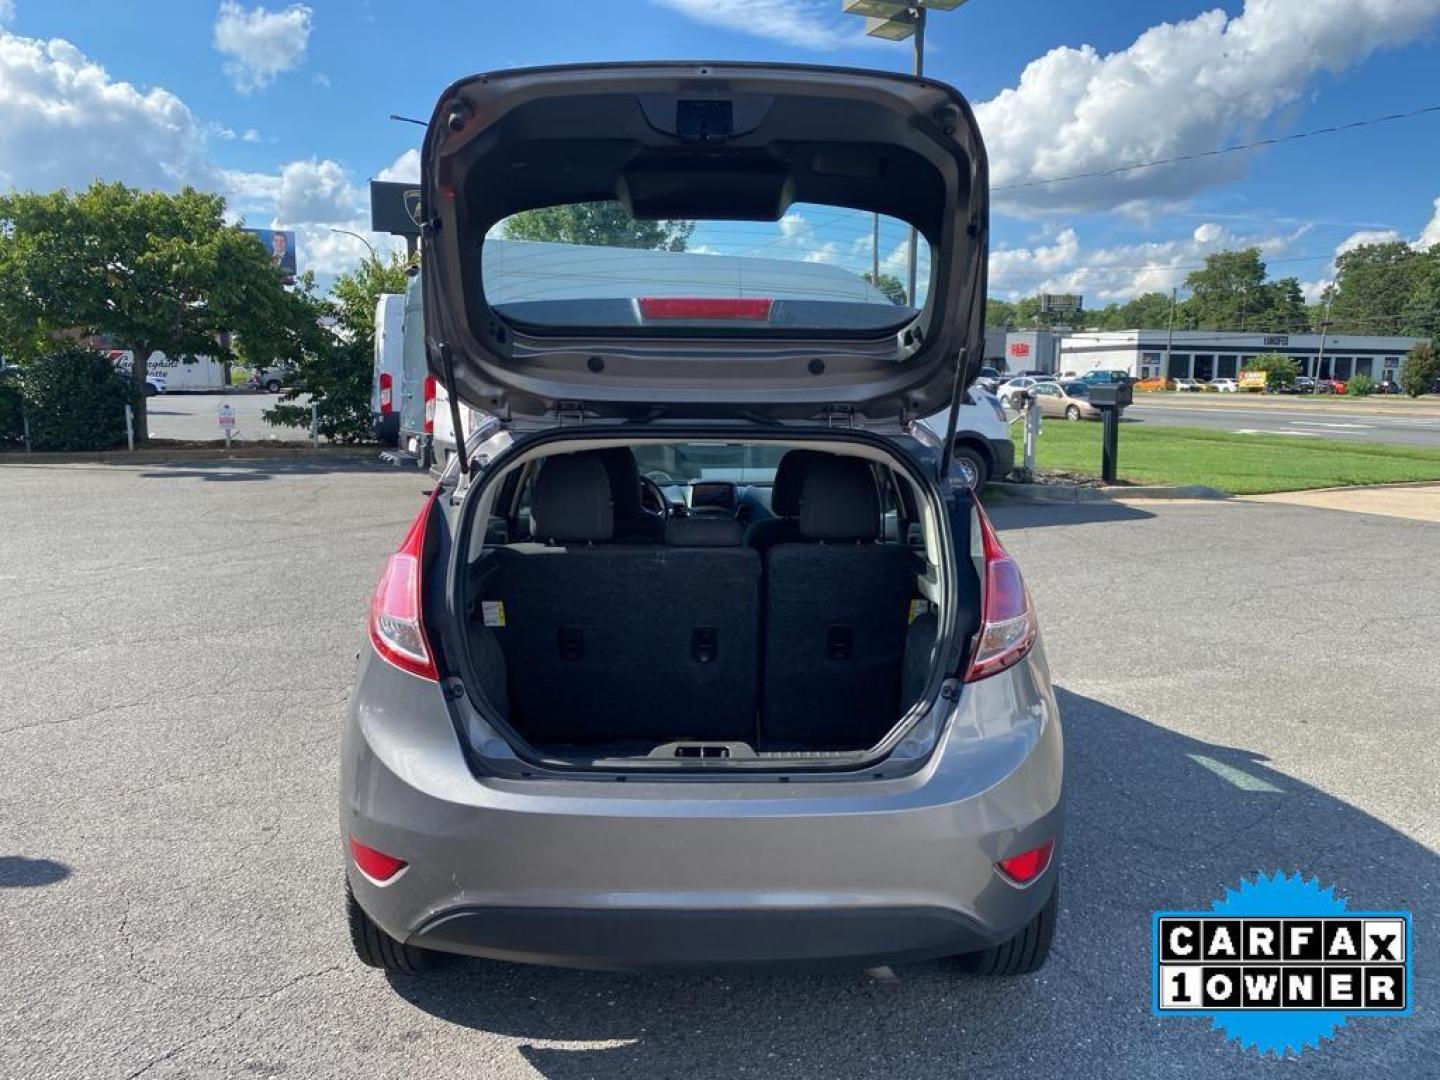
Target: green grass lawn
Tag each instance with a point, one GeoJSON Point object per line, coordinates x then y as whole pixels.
{"type": "Point", "coordinates": [1239, 464]}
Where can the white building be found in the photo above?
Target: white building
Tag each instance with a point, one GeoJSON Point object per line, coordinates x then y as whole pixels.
{"type": "Point", "coordinates": [1215, 354]}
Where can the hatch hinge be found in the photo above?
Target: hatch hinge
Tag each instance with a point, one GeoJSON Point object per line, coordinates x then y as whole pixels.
{"type": "Point", "coordinates": [839, 416]}
{"type": "Point", "coordinates": [569, 412]}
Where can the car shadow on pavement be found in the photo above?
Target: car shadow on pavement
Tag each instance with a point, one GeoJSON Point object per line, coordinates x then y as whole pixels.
{"type": "Point", "coordinates": [1148, 827]}
{"type": "Point", "coordinates": [18, 872]}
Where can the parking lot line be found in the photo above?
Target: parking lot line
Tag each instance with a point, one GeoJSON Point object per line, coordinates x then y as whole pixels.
{"type": "Point", "coordinates": [1241, 779]}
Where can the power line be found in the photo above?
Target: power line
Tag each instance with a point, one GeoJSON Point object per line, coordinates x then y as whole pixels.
{"type": "Point", "coordinates": [1334, 129]}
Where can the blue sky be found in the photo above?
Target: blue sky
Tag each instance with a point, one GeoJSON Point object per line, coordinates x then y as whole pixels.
{"type": "Point", "coordinates": [284, 108]}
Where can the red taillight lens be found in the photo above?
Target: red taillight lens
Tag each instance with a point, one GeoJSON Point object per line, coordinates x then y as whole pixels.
{"type": "Point", "coordinates": [396, 629]}
{"type": "Point", "coordinates": [1028, 865]}
{"type": "Point", "coordinates": [705, 307]}
{"type": "Point", "coordinates": [387, 394]}
{"type": "Point", "coordinates": [375, 865]}
{"type": "Point", "coordinates": [1007, 624]}
{"type": "Point", "coordinates": [429, 405]}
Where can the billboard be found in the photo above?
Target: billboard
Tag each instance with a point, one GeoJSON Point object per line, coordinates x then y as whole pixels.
{"type": "Point", "coordinates": [280, 243]}
{"type": "Point", "coordinates": [394, 208]}
{"type": "Point", "coordinates": [1060, 303]}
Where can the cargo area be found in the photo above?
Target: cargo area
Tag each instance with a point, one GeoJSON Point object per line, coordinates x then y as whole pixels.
{"type": "Point", "coordinates": [703, 600]}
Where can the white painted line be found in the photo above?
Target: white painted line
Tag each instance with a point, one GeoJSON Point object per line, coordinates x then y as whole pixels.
{"type": "Point", "coordinates": [1298, 434]}
{"type": "Point", "coordinates": [1242, 780]}
{"type": "Point", "coordinates": [1325, 424]}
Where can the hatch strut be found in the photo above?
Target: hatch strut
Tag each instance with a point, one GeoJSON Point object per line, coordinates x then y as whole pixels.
{"type": "Point", "coordinates": [447, 365]}
{"type": "Point", "coordinates": [955, 391]}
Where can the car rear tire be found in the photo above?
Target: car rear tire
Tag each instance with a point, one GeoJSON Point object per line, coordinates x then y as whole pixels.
{"type": "Point", "coordinates": [272, 387]}
{"type": "Point", "coordinates": [1023, 954]}
{"type": "Point", "coordinates": [1072, 412]}
{"type": "Point", "coordinates": [970, 463]}
{"type": "Point", "coordinates": [150, 391]}
{"type": "Point", "coordinates": [378, 949]}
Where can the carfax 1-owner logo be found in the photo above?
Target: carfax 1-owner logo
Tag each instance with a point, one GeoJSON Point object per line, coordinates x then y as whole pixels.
{"type": "Point", "coordinates": [1279, 963]}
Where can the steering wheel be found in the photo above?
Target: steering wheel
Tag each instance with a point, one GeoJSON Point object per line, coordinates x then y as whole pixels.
{"type": "Point", "coordinates": [652, 497]}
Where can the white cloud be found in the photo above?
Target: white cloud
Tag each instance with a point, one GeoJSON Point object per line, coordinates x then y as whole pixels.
{"type": "Point", "coordinates": [64, 122]}
{"type": "Point", "coordinates": [810, 24]}
{"type": "Point", "coordinates": [261, 44]}
{"type": "Point", "coordinates": [1179, 88]}
{"type": "Point", "coordinates": [318, 191]}
{"type": "Point", "coordinates": [1063, 264]}
{"type": "Point", "coordinates": [7, 12]}
{"type": "Point", "coordinates": [1430, 235]}
{"type": "Point", "coordinates": [405, 169]}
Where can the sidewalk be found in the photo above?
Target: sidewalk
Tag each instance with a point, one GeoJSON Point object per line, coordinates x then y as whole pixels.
{"type": "Point", "coordinates": [1414, 502]}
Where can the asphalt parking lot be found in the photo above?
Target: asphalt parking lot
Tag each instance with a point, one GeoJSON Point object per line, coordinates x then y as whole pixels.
{"type": "Point", "coordinates": [1246, 686]}
{"type": "Point", "coordinates": [1385, 420]}
{"type": "Point", "coordinates": [192, 415]}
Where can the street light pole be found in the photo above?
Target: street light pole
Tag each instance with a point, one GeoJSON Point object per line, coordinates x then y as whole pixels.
{"type": "Point", "coordinates": [357, 236]}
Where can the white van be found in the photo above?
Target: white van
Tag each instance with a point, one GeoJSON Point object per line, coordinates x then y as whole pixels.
{"type": "Point", "coordinates": [386, 379]}
{"type": "Point", "coordinates": [200, 373]}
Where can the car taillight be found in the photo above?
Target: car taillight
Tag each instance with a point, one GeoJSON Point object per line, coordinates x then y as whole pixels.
{"type": "Point", "coordinates": [1007, 620]}
{"type": "Point", "coordinates": [375, 865]}
{"type": "Point", "coordinates": [705, 307]}
{"type": "Point", "coordinates": [429, 405]}
{"type": "Point", "coordinates": [396, 629]}
{"type": "Point", "coordinates": [1024, 868]}
{"type": "Point", "coordinates": [387, 384]}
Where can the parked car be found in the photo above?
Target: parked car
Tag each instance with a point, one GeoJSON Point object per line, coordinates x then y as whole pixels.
{"type": "Point", "coordinates": [988, 379]}
{"type": "Point", "coordinates": [1101, 376]}
{"type": "Point", "coordinates": [1387, 386]}
{"type": "Point", "coordinates": [1303, 384]}
{"type": "Point", "coordinates": [984, 450]}
{"type": "Point", "coordinates": [560, 619]}
{"type": "Point", "coordinates": [1225, 386]}
{"type": "Point", "coordinates": [1068, 399]}
{"type": "Point", "coordinates": [1006, 392]}
{"type": "Point", "coordinates": [388, 369]}
{"type": "Point", "coordinates": [1188, 386]}
{"type": "Point", "coordinates": [271, 380]}
{"type": "Point", "coordinates": [1331, 386]}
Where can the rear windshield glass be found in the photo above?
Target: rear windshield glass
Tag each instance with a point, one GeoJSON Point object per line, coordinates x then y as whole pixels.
{"type": "Point", "coordinates": [591, 265]}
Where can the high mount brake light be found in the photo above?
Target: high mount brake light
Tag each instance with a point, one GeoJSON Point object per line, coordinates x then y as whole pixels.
{"type": "Point", "coordinates": [1007, 621]}
{"type": "Point", "coordinates": [707, 308]}
{"type": "Point", "coordinates": [396, 628]}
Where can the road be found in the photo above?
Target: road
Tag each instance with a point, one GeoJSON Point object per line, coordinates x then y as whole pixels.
{"type": "Point", "coordinates": [1245, 686]}
{"type": "Point", "coordinates": [196, 416]}
{"type": "Point", "coordinates": [1412, 423]}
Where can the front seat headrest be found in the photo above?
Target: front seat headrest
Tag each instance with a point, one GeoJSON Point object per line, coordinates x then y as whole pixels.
{"type": "Point", "coordinates": [838, 500]}
{"type": "Point", "coordinates": [624, 474]}
{"type": "Point", "coordinates": [572, 500]}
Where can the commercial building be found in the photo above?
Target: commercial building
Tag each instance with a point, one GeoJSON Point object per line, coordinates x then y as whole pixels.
{"type": "Point", "coordinates": [1213, 354]}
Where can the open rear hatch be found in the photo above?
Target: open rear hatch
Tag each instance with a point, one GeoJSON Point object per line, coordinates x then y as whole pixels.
{"type": "Point", "coordinates": [669, 335]}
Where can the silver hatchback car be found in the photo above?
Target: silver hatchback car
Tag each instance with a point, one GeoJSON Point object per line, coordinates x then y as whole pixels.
{"type": "Point", "coordinates": [699, 655]}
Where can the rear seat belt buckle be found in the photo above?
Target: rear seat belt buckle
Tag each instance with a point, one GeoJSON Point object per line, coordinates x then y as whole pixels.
{"type": "Point", "coordinates": [704, 644]}
{"type": "Point", "coordinates": [572, 643]}
{"type": "Point", "coordinates": [839, 640]}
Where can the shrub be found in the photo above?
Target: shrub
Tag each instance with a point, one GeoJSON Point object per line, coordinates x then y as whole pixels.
{"type": "Point", "coordinates": [1420, 370]}
{"type": "Point", "coordinates": [1279, 370]}
{"type": "Point", "coordinates": [76, 401]}
{"type": "Point", "coordinates": [12, 410]}
{"type": "Point", "coordinates": [1360, 386]}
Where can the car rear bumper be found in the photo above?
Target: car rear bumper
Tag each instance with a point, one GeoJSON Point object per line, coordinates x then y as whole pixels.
{"type": "Point", "coordinates": [596, 873]}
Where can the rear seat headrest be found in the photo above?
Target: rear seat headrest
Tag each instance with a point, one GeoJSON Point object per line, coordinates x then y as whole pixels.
{"type": "Point", "coordinates": [703, 532]}
{"type": "Point", "coordinates": [789, 478]}
{"type": "Point", "coordinates": [572, 500]}
{"type": "Point", "coordinates": [838, 500]}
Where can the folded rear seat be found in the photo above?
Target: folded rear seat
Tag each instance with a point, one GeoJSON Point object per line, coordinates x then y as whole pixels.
{"type": "Point", "coordinates": [836, 612]}
{"type": "Point", "coordinates": [609, 643]}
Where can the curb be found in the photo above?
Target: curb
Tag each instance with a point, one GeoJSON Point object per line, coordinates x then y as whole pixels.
{"type": "Point", "coordinates": [196, 453]}
{"type": "Point", "coordinates": [1075, 493]}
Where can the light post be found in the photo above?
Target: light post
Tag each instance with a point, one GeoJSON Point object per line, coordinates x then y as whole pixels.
{"type": "Point", "coordinates": [896, 20]}
{"type": "Point", "coordinates": [357, 236]}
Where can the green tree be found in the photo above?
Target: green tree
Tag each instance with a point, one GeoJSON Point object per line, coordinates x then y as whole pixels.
{"type": "Point", "coordinates": [1361, 385]}
{"type": "Point", "coordinates": [1420, 370]}
{"type": "Point", "coordinates": [597, 224]}
{"type": "Point", "coordinates": [1229, 288]}
{"type": "Point", "coordinates": [1285, 311]}
{"type": "Point", "coordinates": [149, 270]}
{"type": "Point", "coordinates": [999, 314]}
{"type": "Point", "coordinates": [1279, 370]}
{"type": "Point", "coordinates": [75, 400]}
{"type": "Point", "coordinates": [334, 367]}
{"type": "Point", "coordinates": [888, 284]}
{"type": "Point", "coordinates": [1150, 311]}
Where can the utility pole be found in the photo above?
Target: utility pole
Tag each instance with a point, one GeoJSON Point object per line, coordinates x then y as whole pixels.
{"type": "Point", "coordinates": [1324, 329]}
{"type": "Point", "coordinates": [1169, 340]}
